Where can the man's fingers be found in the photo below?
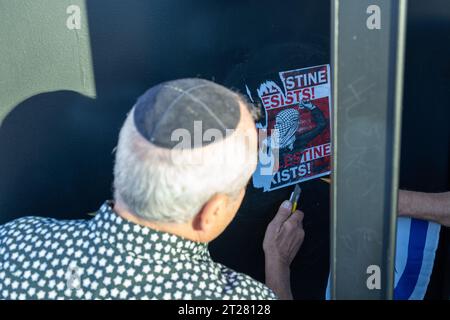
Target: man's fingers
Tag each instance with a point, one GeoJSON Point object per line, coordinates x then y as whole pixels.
{"type": "Point", "coordinates": [283, 213]}
{"type": "Point", "coordinates": [296, 218]}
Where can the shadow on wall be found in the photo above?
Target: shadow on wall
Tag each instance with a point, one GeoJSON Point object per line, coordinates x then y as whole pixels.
{"type": "Point", "coordinates": [57, 154]}
{"type": "Point", "coordinates": [57, 147]}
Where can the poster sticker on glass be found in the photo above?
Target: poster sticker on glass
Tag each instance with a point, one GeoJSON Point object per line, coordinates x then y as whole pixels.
{"type": "Point", "coordinates": [294, 134]}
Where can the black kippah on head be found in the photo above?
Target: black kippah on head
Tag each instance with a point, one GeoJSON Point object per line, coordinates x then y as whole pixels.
{"type": "Point", "coordinates": [177, 104]}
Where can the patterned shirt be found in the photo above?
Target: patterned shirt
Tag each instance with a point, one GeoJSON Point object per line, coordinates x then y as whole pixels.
{"type": "Point", "coordinates": [108, 257]}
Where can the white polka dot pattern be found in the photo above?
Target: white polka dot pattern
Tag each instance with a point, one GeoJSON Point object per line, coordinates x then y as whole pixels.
{"type": "Point", "coordinates": [108, 257]}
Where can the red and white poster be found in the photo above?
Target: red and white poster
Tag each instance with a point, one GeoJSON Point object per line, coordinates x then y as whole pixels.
{"type": "Point", "coordinates": [294, 143]}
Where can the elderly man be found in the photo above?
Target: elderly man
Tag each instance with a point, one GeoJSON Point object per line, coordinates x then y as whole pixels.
{"type": "Point", "coordinates": [185, 154]}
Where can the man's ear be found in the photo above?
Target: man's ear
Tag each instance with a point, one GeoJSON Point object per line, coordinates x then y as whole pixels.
{"type": "Point", "coordinates": [208, 217]}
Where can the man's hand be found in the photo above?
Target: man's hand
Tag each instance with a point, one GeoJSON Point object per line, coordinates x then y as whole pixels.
{"type": "Point", "coordinates": [282, 240]}
{"type": "Point", "coordinates": [284, 235]}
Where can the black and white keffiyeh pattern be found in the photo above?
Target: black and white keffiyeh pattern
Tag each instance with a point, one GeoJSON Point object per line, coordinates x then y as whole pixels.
{"type": "Point", "coordinates": [108, 257]}
{"type": "Point", "coordinates": [286, 125]}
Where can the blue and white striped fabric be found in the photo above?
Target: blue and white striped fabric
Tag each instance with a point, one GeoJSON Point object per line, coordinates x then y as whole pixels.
{"type": "Point", "coordinates": [417, 241]}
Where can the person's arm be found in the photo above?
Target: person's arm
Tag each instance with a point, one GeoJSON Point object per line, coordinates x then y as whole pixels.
{"type": "Point", "coordinates": [426, 206]}
{"type": "Point", "coordinates": [318, 118]}
{"type": "Point", "coordinates": [282, 240]}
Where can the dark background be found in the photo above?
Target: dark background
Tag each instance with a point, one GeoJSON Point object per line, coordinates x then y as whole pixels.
{"type": "Point", "coordinates": [56, 148]}
{"type": "Point", "coordinates": [425, 156]}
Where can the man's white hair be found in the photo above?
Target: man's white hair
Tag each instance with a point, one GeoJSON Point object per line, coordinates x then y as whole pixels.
{"type": "Point", "coordinates": [172, 185]}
